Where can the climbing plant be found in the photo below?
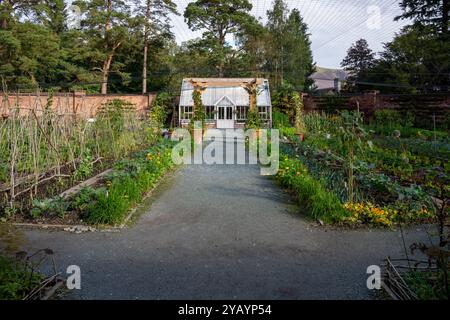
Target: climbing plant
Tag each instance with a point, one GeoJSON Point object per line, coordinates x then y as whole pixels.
{"type": "Point", "coordinates": [300, 126]}
{"type": "Point", "coordinates": [199, 110]}
{"type": "Point", "coordinates": [158, 114]}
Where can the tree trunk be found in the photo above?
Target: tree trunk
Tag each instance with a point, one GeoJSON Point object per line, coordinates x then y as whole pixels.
{"type": "Point", "coordinates": [445, 16]}
{"type": "Point", "coordinates": [4, 23]}
{"type": "Point", "coordinates": [144, 69]}
{"type": "Point", "coordinates": [221, 65]}
{"type": "Point", "coordinates": [146, 32]}
{"type": "Point", "coordinates": [105, 71]}
{"type": "Point", "coordinates": [107, 62]}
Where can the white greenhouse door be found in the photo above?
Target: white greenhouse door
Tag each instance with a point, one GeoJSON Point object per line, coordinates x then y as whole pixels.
{"type": "Point", "coordinates": [225, 118]}
{"type": "Point", "coordinates": [225, 115]}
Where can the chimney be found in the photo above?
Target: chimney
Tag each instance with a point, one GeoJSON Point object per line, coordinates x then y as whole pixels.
{"type": "Point", "coordinates": [337, 85]}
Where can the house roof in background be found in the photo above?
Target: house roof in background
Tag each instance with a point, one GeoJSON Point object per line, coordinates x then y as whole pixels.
{"type": "Point", "coordinates": [324, 78]}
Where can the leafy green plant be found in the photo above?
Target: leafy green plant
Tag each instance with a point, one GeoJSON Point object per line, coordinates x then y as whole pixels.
{"type": "Point", "coordinates": [54, 206]}
{"type": "Point", "coordinates": [16, 279]}
{"type": "Point", "coordinates": [114, 112]}
{"type": "Point", "coordinates": [388, 117]}
{"type": "Point", "coordinates": [253, 120]}
{"type": "Point", "coordinates": [85, 167]}
{"type": "Point", "coordinates": [158, 114]}
{"type": "Point", "coordinates": [280, 120]}
{"type": "Point", "coordinates": [427, 285]}
{"type": "Point", "coordinates": [320, 203]}
{"type": "Point", "coordinates": [125, 187]}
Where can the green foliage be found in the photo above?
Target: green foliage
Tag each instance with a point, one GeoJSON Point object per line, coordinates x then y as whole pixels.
{"type": "Point", "coordinates": [320, 203]}
{"type": "Point", "coordinates": [288, 48]}
{"type": "Point", "coordinates": [433, 12]}
{"type": "Point", "coordinates": [111, 207]}
{"type": "Point", "coordinates": [387, 116]}
{"type": "Point", "coordinates": [300, 126]}
{"type": "Point", "coordinates": [69, 143]}
{"type": "Point", "coordinates": [359, 60]}
{"type": "Point", "coordinates": [114, 112]}
{"type": "Point", "coordinates": [159, 112]}
{"type": "Point", "coordinates": [85, 167]}
{"type": "Point", "coordinates": [50, 207]}
{"type": "Point", "coordinates": [392, 175]}
{"type": "Point", "coordinates": [118, 130]}
{"type": "Point", "coordinates": [427, 285]}
{"type": "Point", "coordinates": [29, 53]}
{"type": "Point", "coordinates": [280, 120]}
{"type": "Point", "coordinates": [199, 110]}
{"type": "Point", "coordinates": [392, 118]}
{"type": "Point", "coordinates": [16, 279]}
{"type": "Point", "coordinates": [253, 120]}
{"type": "Point", "coordinates": [125, 188]}
{"type": "Point", "coordinates": [416, 59]}
{"type": "Point", "coordinates": [219, 19]}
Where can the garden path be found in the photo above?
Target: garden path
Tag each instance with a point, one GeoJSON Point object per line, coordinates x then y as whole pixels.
{"type": "Point", "coordinates": [221, 232]}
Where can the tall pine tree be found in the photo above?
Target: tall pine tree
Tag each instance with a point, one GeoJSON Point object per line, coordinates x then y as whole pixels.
{"type": "Point", "coordinates": [154, 16]}
{"type": "Point", "coordinates": [107, 26]}
{"type": "Point", "coordinates": [219, 19]}
{"type": "Point", "coordinates": [359, 60]}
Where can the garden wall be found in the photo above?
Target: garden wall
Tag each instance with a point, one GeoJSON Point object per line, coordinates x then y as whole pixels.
{"type": "Point", "coordinates": [424, 107]}
{"type": "Point", "coordinates": [77, 103]}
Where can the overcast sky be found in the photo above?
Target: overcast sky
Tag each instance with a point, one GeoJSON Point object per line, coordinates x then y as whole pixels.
{"type": "Point", "coordinates": [334, 24]}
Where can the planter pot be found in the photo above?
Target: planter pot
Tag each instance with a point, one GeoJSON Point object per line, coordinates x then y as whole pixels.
{"type": "Point", "coordinates": [197, 136]}
{"type": "Point", "coordinates": [300, 136]}
{"type": "Point", "coordinates": [259, 133]}
{"type": "Point", "coordinates": [255, 134]}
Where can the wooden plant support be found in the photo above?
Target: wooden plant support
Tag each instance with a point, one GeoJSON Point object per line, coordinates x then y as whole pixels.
{"type": "Point", "coordinates": [90, 182]}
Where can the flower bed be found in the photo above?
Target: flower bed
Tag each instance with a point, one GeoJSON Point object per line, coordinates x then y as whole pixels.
{"type": "Point", "coordinates": [320, 203]}
{"type": "Point", "coordinates": [110, 200]}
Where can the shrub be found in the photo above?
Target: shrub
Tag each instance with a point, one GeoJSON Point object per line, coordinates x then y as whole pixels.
{"type": "Point", "coordinates": [387, 117]}
{"type": "Point", "coordinates": [16, 279]}
{"type": "Point", "coordinates": [125, 188]}
{"type": "Point", "coordinates": [320, 203]}
{"type": "Point", "coordinates": [158, 114]}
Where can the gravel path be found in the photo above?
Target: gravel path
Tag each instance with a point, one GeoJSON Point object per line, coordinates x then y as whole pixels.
{"type": "Point", "coordinates": [221, 232]}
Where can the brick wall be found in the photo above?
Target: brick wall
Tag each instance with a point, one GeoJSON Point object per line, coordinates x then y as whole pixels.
{"type": "Point", "coordinates": [71, 103]}
{"type": "Point", "coordinates": [424, 107]}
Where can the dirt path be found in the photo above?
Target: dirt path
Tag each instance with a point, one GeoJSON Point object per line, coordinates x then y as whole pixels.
{"type": "Point", "coordinates": [222, 232]}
